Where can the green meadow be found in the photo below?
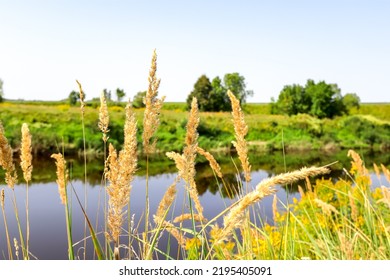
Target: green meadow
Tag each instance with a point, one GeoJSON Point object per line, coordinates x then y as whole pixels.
{"type": "Point", "coordinates": [56, 125]}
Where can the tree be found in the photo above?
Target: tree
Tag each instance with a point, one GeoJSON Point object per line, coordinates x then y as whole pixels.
{"type": "Point", "coordinates": [219, 100]}
{"type": "Point", "coordinates": [138, 100]}
{"type": "Point", "coordinates": [107, 94]}
{"type": "Point", "coordinates": [120, 93]}
{"type": "Point", "coordinates": [202, 90]}
{"type": "Point", "coordinates": [236, 84]}
{"type": "Point", "coordinates": [292, 100]}
{"type": "Point", "coordinates": [1, 91]}
{"type": "Point", "coordinates": [351, 100]}
{"type": "Point", "coordinates": [73, 97]}
{"type": "Point", "coordinates": [320, 99]}
{"type": "Point", "coordinates": [212, 96]}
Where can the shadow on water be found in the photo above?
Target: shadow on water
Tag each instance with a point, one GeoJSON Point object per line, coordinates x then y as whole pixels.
{"type": "Point", "coordinates": [47, 218]}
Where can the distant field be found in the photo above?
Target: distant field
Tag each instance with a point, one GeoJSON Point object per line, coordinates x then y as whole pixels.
{"type": "Point", "coordinates": [54, 123]}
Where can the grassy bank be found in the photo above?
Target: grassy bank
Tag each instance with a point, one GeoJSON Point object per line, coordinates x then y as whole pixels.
{"type": "Point", "coordinates": [346, 219]}
{"type": "Point", "coordinates": [54, 124]}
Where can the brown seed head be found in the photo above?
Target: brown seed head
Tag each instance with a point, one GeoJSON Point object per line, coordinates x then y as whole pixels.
{"type": "Point", "coordinates": [6, 159]}
{"type": "Point", "coordinates": [82, 97]}
{"type": "Point", "coordinates": [26, 157]}
{"type": "Point", "coordinates": [62, 176]}
{"type": "Point", "coordinates": [104, 118]}
{"type": "Point", "coordinates": [240, 129]}
{"type": "Point", "coordinates": [153, 106]}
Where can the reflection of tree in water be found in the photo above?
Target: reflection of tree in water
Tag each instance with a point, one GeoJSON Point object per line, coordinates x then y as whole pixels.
{"type": "Point", "coordinates": [227, 188]}
{"type": "Point", "coordinates": [44, 169]}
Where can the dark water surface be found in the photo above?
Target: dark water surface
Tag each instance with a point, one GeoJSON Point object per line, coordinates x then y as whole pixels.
{"type": "Point", "coordinates": [48, 239]}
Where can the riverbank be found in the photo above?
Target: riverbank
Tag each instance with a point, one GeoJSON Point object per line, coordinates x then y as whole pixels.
{"type": "Point", "coordinates": [58, 126]}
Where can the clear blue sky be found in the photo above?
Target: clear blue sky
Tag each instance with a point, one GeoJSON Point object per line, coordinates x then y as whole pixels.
{"type": "Point", "coordinates": [46, 45]}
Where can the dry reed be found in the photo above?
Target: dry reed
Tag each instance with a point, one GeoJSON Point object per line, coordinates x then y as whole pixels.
{"type": "Point", "coordinates": [62, 176]}
{"type": "Point", "coordinates": [26, 165]}
{"type": "Point", "coordinates": [213, 163]}
{"type": "Point", "coordinates": [152, 109]}
{"type": "Point", "coordinates": [104, 118]}
{"type": "Point", "coordinates": [386, 172]}
{"type": "Point", "coordinates": [266, 187]}
{"type": "Point", "coordinates": [26, 157]}
{"type": "Point", "coordinates": [189, 155]}
{"type": "Point", "coordinates": [82, 97]}
{"type": "Point", "coordinates": [6, 159]}
{"type": "Point", "coordinates": [354, 209]}
{"type": "Point", "coordinates": [188, 216]}
{"type": "Point", "coordinates": [326, 208]}
{"type": "Point", "coordinates": [240, 131]}
{"type": "Point", "coordinates": [275, 207]}
{"type": "Point", "coordinates": [357, 163]}
{"type": "Point", "coordinates": [165, 203]}
{"type": "Point", "coordinates": [10, 257]}
{"type": "Point", "coordinates": [120, 172]}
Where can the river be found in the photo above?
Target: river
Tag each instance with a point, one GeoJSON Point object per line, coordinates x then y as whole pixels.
{"type": "Point", "coordinates": [48, 239]}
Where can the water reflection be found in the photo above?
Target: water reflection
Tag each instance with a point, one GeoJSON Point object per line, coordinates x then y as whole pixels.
{"type": "Point", "coordinates": [47, 217]}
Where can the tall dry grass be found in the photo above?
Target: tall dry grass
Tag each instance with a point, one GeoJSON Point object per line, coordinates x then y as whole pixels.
{"type": "Point", "coordinates": [316, 227]}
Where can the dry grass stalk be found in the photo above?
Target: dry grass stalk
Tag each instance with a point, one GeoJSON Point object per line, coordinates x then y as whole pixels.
{"type": "Point", "coordinates": [301, 191]}
{"type": "Point", "coordinates": [165, 203]}
{"type": "Point", "coordinates": [82, 97]}
{"type": "Point", "coordinates": [152, 109]}
{"type": "Point", "coordinates": [181, 240]}
{"type": "Point", "coordinates": [354, 209]}
{"type": "Point", "coordinates": [188, 216]}
{"type": "Point", "coordinates": [265, 188]}
{"type": "Point", "coordinates": [346, 246]}
{"type": "Point", "coordinates": [26, 157]}
{"type": "Point", "coordinates": [62, 176]}
{"type": "Point", "coordinates": [179, 161]}
{"type": "Point", "coordinates": [386, 172]}
{"type": "Point", "coordinates": [308, 185]}
{"type": "Point", "coordinates": [2, 198]}
{"type": "Point", "coordinates": [357, 163]}
{"type": "Point", "coordinates": [104, 118]}
{"type": "Point", "coordinates": [6, 159]}
{"type": "Point", "coordinates": [213, 163]}
{"type": "Point", "coordinates": [377, 172]}
{"type": "Point", "coordinates": [189, 155]}
{"type": "Point", "coordinates": [120, 172]}
{"type": "Point", "coordinates": [386, 196]}
{"type": "Point", "coordinates": [275, 207]}
{"type": "Point", "coordinates": [241, 130]}
{"type": "Point", "coordinates": [16, 245]}
{"type": "Point", "coordinates": [326, 208]}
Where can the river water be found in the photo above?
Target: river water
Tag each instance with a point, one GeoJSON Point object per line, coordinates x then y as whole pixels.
{"type": "Point", "coordinates": [48, 239]}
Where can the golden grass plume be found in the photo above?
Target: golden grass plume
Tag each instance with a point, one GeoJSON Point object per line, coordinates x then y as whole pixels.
{"type": "Point", "coordinates": [213, 163]}
{"type": "Point", "coordinates": [120, 172]}
{"type": "Point", "coordinates": [240, 131]}
{"type": "Point", "coordinates": [6, 159]}
{"type": "Point", "coordinates": [62, 176]}
{"type": "Point", "coordinates": [153, 107]}
{"type": "Point", "coordinates": [104, 118]}
{"type": "Point", "coordinates": [25, 156]}
{"type": "Point", "coordinates": [234, 217]}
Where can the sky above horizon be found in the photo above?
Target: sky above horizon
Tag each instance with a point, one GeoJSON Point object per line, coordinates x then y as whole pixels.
{"type": "Point", "coordinates": [46, 45]}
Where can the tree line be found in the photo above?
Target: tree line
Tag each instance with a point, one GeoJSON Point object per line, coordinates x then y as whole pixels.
{"type": "Point", "coordinates": [319, 99]}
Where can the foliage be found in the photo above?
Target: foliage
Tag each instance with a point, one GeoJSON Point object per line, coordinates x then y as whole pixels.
{"type": "Point", "coordinates": [120, 94]}
{"type": "Point", "coordinates": [212, 96]}
{"type": "Point", "coordinates": [320, 99]}
{"type": "Point", "coordinates": [138, 100]}
{"type": "Point", "coordinates": [350, 101]}
{"type": "Point", "coordinates": [73, 97]}
{"type": "Point", "coordinates": [107, 94]}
